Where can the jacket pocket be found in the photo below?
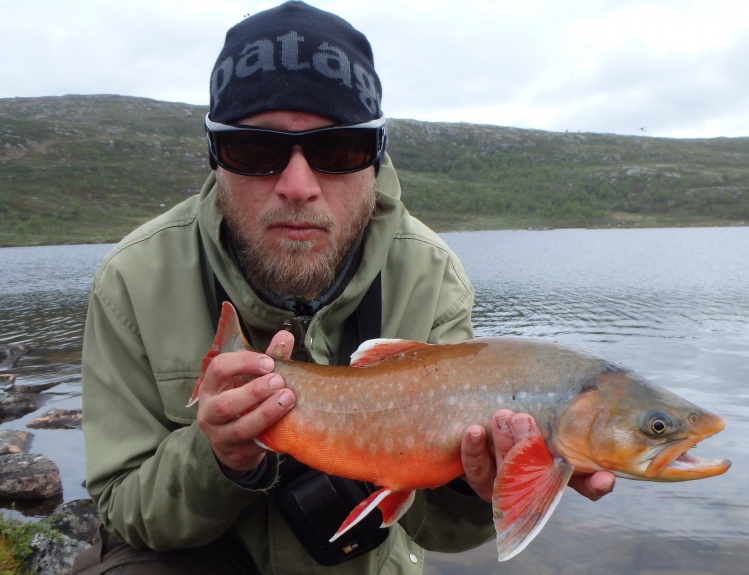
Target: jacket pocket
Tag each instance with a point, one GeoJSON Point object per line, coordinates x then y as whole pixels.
{"type": "Point", "coordinates": [175, 390]}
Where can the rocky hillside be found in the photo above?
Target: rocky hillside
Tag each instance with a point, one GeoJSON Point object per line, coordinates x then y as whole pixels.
{"type": "Point", "coordinates": [89, 168]}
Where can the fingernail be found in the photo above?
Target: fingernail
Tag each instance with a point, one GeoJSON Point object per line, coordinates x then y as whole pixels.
{"type": "Point", "coordinates": [278, 350]}
{"type": "Point", "coordinates": [285, 399]}
{"type": "Point", "coordinates": [503, 422]}
{"type": "Point", "coordinates": [474, 437]}
{"type": "Point", "coordinates": [521, 427]}
{"type": "Point", "coordinates": [275, 382]}
{"type": "Point", "coordinates": [266, 364]}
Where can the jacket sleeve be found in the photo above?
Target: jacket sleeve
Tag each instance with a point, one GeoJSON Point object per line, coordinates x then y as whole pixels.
{"type": "Point", "coordinates": [157, 483]}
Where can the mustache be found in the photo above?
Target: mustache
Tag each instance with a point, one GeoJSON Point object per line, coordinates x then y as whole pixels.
{"type": "Point", "coordinates": [304, 216]}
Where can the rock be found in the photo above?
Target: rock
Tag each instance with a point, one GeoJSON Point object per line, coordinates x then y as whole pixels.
{"type": "Point", "coordinates": [78, 519]}
{"type": "Point", "coordinates": [33, 508]}
{"type": "Point", "coordinates": [28, 476]}
{"type": "Point", "coordinates": [34, 387]}
{"type": "Point", "coordinates": [9, 353]}
{"type": "Point", "coordinates": [7, 378]}
{"type": "Point", "coordinates": [53, 554]}
{"type": "Point", "coordinates": [74, 525]}
{"type": "Point", "coordinates": [57, 419]}
{"type": "Point", "coordinates": [14, 405]}
{"type": "Point", "coordinates": [12, 441]}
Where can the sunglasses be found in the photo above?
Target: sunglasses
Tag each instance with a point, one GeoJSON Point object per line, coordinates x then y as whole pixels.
{"type": "Point", "coordinates": [252, 151]}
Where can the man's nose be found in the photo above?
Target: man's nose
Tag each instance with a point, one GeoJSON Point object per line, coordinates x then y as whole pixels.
{"type": "Point", "coordinates": [298, 182]}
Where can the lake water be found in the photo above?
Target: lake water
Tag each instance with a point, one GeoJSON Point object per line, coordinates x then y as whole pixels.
{"type": "Point", "coordinates": [673, 304]}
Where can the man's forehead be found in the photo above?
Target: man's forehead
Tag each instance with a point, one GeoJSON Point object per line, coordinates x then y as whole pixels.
{"type": "Point", "coordinates": [287, 120]}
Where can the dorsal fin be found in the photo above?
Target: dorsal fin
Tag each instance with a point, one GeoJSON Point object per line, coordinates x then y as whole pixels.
{"type": "Point", "coordinates": [377, 350]}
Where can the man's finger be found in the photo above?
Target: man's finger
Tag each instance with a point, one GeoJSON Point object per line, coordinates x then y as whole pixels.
{"type": "Point", "coordinates": [233, 402]}
{"type": "Point", "coordinates": [281, 345]}
{"type": "Point", "coordinates": [223, 370]}
{"type": "Point", "coordinates": [593, 486]}
{"type": "Point", "coordinates": [502, 434]}
{"type": "Point", "coordinates": [478, 464]}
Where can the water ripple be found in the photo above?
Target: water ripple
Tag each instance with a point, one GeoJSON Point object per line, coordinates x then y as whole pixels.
{"type": "Point", "coordinates": [672, 304]}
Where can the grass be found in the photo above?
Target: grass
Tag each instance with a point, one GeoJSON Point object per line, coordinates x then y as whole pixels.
{"type": "Point", "coordinates": [15, 542]}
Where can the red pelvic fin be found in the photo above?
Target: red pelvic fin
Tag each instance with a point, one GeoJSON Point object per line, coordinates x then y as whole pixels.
{"type": "Point", "coordinates": [528, 487]}
{"type": "Point", "coordinates": [377, 350]}
{"type": "Point", "coordinates": [229, 337]}
{"type": "Point", "coordinates": [264, 440]}
{"type": "Point", "coordinates": [392, 504]}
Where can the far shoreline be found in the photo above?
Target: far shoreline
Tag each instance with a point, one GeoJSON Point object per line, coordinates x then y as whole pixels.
{"type": "Point", "coordinates": [468, 224]}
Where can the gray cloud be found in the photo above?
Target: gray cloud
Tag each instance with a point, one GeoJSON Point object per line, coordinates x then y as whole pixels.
{"type": "Point", "coordinates": [674, 67]}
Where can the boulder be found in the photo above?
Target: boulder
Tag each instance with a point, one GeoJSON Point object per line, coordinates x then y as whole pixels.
{"type": "Point", "coordinates": [28, 476]}
{"type": "Point", "coordinates": [74, 524]}
{"type": "Point", "coordinates": [78, 519]}
{"type": "Point", "coordinates": [7, 378]}
{"type": "Point", "coordinates": [57, 419]}
{"type": "Point", "coordinates": [13, 441]}
{"type": "Point", "coordinates": [53, 554]}
{"type": "Point", "coordinates": [34, 387]}
{"type": "Point", "coordinates": [10, 352]}
{"type": "Point", "coordinates": [15, 405]}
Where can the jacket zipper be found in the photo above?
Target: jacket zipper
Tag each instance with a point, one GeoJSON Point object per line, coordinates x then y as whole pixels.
{"type": "Point", "coordinates": [298, 327]}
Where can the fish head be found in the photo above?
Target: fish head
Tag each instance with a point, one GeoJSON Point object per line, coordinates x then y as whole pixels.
{"type": "Point", "coordinates": [622, 423]}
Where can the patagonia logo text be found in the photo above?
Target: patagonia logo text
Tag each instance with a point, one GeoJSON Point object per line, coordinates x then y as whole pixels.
{"type": "Point", "coordinates": [287, 53]}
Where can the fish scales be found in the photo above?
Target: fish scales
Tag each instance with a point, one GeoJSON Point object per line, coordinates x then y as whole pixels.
{"type": "Point", "coordinates": [397, 418]}
{"type": "Point", "coordinates": [356, 417]}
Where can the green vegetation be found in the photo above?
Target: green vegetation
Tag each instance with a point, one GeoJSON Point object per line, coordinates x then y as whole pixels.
{"type": "Point", "coordinates": [461, 176]}
{"type": "Point", "coordinates": [79, 169]}
{"type": "Point", "coordinates": [15, 542]}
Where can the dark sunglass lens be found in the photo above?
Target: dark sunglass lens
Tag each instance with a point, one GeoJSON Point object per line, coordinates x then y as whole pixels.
{"type": "Point", "coordinates": [341, 150]}
{"type": "Point", "coordinates": [253, 153]}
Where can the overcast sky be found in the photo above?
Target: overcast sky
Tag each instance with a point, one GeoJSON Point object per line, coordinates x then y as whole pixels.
{"type": "Point", "coordinates": [675, 68]}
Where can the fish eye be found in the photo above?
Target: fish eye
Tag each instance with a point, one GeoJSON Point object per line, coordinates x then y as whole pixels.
{"type": "Point", "coordinates": [659, 423]}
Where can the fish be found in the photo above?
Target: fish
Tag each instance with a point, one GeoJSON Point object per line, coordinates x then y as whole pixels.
{"type": "Point", "coordinates": [395, 418]}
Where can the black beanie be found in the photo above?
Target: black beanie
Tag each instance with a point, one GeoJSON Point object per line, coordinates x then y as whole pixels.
{"type": "Point", "coordinates": [295, 57]}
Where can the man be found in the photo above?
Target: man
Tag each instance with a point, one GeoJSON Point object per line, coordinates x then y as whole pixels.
{"type": "Point", "coordinates": [301, 227]}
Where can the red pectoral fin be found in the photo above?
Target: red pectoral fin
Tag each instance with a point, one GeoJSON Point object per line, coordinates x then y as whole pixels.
{"type": "Point", "coordinates": [392, 504]}
{"type": "Point", "coordinates": [529, 485]}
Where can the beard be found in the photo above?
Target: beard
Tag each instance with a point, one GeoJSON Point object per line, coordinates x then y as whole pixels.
{"type": "Point", "coordinates": [292, 268]}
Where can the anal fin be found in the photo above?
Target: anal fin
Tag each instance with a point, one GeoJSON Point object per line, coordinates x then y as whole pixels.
{"type": "Point", "coordinates": [528, 487]}
{"type": "Point", "coordinates": [392, 504]}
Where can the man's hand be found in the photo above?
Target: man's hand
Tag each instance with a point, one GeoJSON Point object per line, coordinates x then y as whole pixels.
{"type": "Point", "coordinates": [481, 454]}
{"type": "Point", "coordinates": [231, 417]}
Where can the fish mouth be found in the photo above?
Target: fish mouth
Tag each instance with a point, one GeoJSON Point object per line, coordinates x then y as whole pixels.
{"type": "Point", "coordinates": [674, 464]}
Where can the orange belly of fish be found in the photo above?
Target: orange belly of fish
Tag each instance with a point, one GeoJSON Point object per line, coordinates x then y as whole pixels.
{"type": "Point", "coordinates": [399, 463]}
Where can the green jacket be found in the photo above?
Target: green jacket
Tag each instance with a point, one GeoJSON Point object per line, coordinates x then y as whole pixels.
{"type": "Point", "coordinates": [151, 320]}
